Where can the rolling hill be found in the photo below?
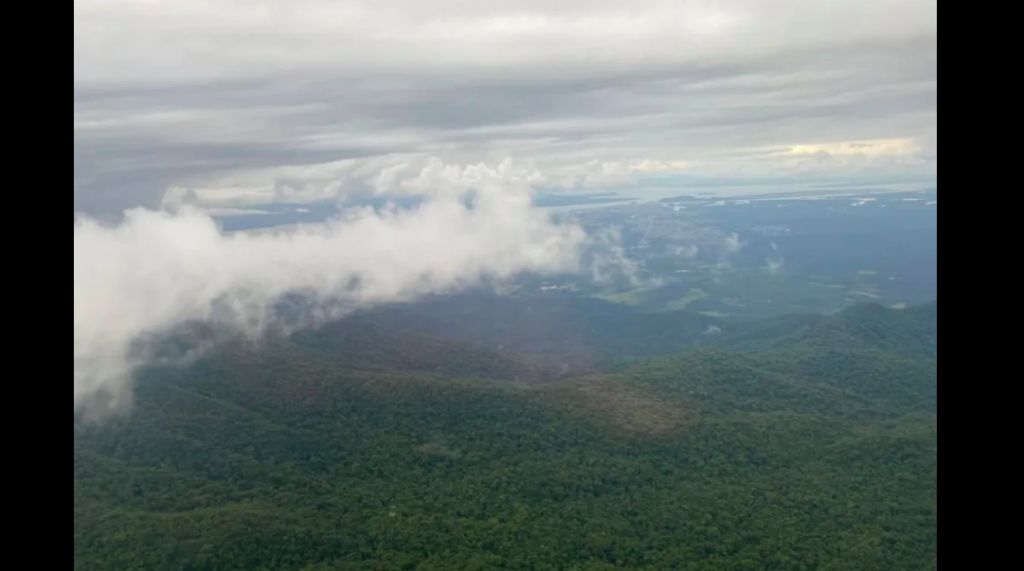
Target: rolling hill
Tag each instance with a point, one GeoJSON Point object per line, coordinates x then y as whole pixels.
{"type": "Point", "coordinates": [395, 442]}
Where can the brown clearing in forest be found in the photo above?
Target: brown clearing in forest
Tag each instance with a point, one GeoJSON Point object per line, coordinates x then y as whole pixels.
{"type": "Point", "coordinates": [605, 401]}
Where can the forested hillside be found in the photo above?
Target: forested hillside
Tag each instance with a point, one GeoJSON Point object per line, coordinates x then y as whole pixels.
{"type": "Point", "coordinates": [800, 443]}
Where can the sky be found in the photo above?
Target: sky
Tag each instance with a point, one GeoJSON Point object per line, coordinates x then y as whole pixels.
{"type": "Point", "coordinates": [226, 103]}
{"type": "Point", "coordinates": [191, 110]}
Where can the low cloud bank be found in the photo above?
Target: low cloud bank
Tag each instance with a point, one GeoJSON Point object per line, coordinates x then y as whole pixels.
{"type": "Point", "coordinates": [157, 270]}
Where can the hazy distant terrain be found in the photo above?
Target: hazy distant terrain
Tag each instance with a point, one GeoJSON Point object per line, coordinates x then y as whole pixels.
{"type": "Point", "coordinates": [764, 256]}
{"type": "Point", "coordinates": [741, 257]}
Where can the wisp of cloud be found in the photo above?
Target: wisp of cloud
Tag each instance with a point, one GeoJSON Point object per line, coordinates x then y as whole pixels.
{"type": "Point", "coordinates": [157, 270]}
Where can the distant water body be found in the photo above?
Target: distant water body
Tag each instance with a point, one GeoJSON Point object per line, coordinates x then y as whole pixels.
{"type": "Point", "coordinates": [286, 215]}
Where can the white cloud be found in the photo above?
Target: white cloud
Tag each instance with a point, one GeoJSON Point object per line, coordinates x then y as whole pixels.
{"type": "Point", "coordinates": [689, 251]}
{"type": "Point", "coordinates": [775, 266]}
{"type": "Point", "coordinates": [728, 247]}
{"type": "Point", "coordinates": [610, 260]}
{"type": "Point", "coordinates": [732, 245]}
{"type": "Point", "coordinates": [398, 174]}
{"type": "Point", "coordinates": [157, 270]}
{"type": "Point", "coordinates": [864, 148]}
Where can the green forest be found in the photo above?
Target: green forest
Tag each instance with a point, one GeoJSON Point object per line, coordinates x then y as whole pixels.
{"type": "Point", "coordinates": [802, 443]}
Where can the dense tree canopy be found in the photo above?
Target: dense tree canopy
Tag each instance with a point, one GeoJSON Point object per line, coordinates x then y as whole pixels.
{"type": "Point", "coordinates": [796, 444]}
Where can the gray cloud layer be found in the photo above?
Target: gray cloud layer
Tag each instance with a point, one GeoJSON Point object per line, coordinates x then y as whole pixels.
{"type": "Point", "coordinates": [177, 93]}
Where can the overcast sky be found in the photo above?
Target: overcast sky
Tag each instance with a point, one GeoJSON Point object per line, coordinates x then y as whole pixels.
{"type": "Point", "coordinates": [235, 102]}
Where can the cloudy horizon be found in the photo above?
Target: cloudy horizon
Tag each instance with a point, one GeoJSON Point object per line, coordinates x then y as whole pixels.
{"type": "Point", "coordinates": [266, 101]}
{"type": "Point", "coordinates": [193, 109]}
